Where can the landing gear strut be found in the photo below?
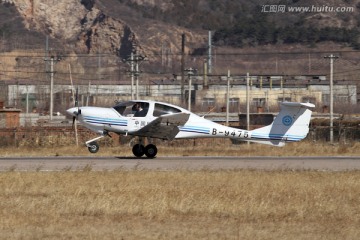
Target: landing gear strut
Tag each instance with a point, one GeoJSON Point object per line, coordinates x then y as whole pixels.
{"type": "Point", "coordinates": [92, 145]}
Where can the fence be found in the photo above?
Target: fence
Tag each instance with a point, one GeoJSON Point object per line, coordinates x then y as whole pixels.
{"type": "Point", "coordinates": [44, 136]}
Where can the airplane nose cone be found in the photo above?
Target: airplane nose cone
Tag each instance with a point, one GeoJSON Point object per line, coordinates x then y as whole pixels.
{"type": "Point", "coordinates": [72, 111]}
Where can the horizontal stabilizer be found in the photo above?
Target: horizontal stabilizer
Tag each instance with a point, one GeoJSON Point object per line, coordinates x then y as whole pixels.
{"type": "Point", "coordinates": [271, 143]}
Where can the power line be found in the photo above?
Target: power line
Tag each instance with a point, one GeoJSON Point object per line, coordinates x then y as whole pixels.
{"type": "Point", "coordinates": [103, 54]}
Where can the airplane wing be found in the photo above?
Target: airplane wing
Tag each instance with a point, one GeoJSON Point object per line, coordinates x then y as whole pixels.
{"type": "Point", "coordinates": [164, 127]}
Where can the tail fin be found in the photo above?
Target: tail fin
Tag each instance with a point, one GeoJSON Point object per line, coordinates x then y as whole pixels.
{"type": "Point", "coordinates": [290, 125]}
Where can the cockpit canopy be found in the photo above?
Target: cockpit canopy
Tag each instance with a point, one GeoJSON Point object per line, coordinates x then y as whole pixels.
{"type": "Point", "coordinates": [141, 109]}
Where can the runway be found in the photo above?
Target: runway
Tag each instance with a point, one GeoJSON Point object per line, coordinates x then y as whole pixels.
{"type": "Point", "coordinates": [94, 163]}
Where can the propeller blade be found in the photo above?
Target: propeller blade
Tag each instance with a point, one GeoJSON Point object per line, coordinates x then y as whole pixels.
{"type": "Point", "coordinates": [77, 101]}
{"type": "Point", "coordinates": [77, 97]}
{"type": "Point", "coordinates": [73, 122]}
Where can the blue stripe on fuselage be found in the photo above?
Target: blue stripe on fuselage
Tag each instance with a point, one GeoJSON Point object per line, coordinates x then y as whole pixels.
{"type": "Point", "coordinates": [98, 120]}
{"type": "Point", "coordinates": [195, 129]}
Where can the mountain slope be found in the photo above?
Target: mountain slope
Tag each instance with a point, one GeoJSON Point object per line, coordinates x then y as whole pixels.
{"type": "Point", "coordinates": [115, 25]}
{"type": "Point", "coordinates": [102, 33]}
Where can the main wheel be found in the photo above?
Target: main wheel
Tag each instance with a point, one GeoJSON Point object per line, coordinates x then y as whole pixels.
{"type": "Point", "coordinates": [93, 147]}
{"type": "Point", "coordinates": [138, 150]}
{"type": "Point", "coordinates": [150, 151]}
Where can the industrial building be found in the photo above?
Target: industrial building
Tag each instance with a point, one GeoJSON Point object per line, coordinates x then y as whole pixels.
{"type": "Point", "coordinates": [264, 92]}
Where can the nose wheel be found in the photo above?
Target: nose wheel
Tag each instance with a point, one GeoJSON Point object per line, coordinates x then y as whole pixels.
{"type": "Point", "coordinates": [93, 147]}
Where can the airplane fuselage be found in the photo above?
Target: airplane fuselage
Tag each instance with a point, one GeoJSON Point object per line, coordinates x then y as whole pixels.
{"type": "Point", "coordinates": [99, 119]}
{"type": "Point", "coordinates": [153, 119]}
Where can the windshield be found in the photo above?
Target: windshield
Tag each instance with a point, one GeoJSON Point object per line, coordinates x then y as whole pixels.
{"type": "Point", "coordinates": [132, 109]}
{"type": "Point", "coordinates": [162, 109]}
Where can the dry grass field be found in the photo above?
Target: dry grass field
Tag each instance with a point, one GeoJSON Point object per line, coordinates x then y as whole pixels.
{"type": "Point", "coordinates": [182, 204]}
{"type": "Point", "coordinates": [199, 147]}
{"type": "Point", "coordinates": [238, 204]}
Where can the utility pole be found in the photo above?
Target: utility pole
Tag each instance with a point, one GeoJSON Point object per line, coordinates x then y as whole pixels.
{"type": "Point", "coordinates": [134, 62]}
{"type": "Point", "coordinates": [52, 59]}
{"type": "Point", "coordinates": [190, 72]}
{"type": "Point", "coordinates": [51, 87]}
{"type": "Point", "coordinates": [228, 98]}
{"type": "Point", "coordinates": [138, 59]}
{"type": "Point", "coordinates": [99, 65]}
{"type": "Point", "coordinates": [182, 68]}
{"type": "Point", "coordinates": [209, 53]}
{"type": "Point", "coordinates": [137, 78]}
{"type": "Point", "coordinates": [331, 57]}
{"type": "Point", "coordinates": [309, 63]}
{"type": "Point", "coordinates": [27, 99]}
{"type": "Point", "coordinates": [88, 94]}
{"type": "Point", "coordinates": [46, 53]}
{"type": "Point", "coordinates": [205, 81]}
{"type": "Point", "coordinates": [132, 71]}
{"type": "Point", "coordinates": [132, 75]}
{"type": "Point", "coordinates": [247, 102]}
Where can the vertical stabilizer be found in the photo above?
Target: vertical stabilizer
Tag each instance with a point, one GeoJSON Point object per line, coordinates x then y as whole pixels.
{"type": "Point", "coordinates": [290, 125]}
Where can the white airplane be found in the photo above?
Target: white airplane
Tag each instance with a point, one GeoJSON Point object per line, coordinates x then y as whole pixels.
{"type": "Point", "coordinates": [152, 119]}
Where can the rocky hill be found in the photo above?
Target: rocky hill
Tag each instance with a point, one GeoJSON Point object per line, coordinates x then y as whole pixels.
{"type": "Point", "coordinates": [90, 27]}
{"type": "Point", "coordinates": [108, 28]}
{"type": "Point", "coordinates": [111, 29]}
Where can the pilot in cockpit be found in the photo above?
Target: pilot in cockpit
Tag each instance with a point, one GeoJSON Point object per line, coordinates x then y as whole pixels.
{"type": "Point", "coordinates": [138, 110]}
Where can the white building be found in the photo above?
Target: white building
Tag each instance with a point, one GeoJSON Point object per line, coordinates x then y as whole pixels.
{"type": "Point", "coordinates": [32, 98]}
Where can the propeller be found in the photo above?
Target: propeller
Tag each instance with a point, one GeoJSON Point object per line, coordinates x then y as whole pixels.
{"type": "Point", "coordinates": [76, 98]}
{"type": "Point", "coordinates": [73, 122]}
{"type": "Point", "coordinates": [78, 112]}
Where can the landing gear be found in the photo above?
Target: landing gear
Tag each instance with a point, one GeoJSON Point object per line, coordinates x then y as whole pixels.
{"type": "Point", "coordinates": [150, 151]}
{"type": "Point", "coordinates": [139, 150]}
{"type": "Point", "coordinates": [93, 147]}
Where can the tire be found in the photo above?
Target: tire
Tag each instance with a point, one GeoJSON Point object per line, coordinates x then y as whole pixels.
{"type": "Point", "coordinates": [93, 147]}
{"type": "Point", "coordinates": [138, 150]}
{"type": "Point", "coordinates": [150, 151]}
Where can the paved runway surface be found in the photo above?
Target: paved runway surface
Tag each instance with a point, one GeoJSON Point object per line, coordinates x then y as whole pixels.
{"type": "Point", "coordinates": [338, 163]}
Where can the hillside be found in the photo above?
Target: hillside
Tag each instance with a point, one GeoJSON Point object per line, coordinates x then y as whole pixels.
{"type": "Point", "coordinates": [235, 23]}
{"type": "Point", "coordinates": [96, 35]}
